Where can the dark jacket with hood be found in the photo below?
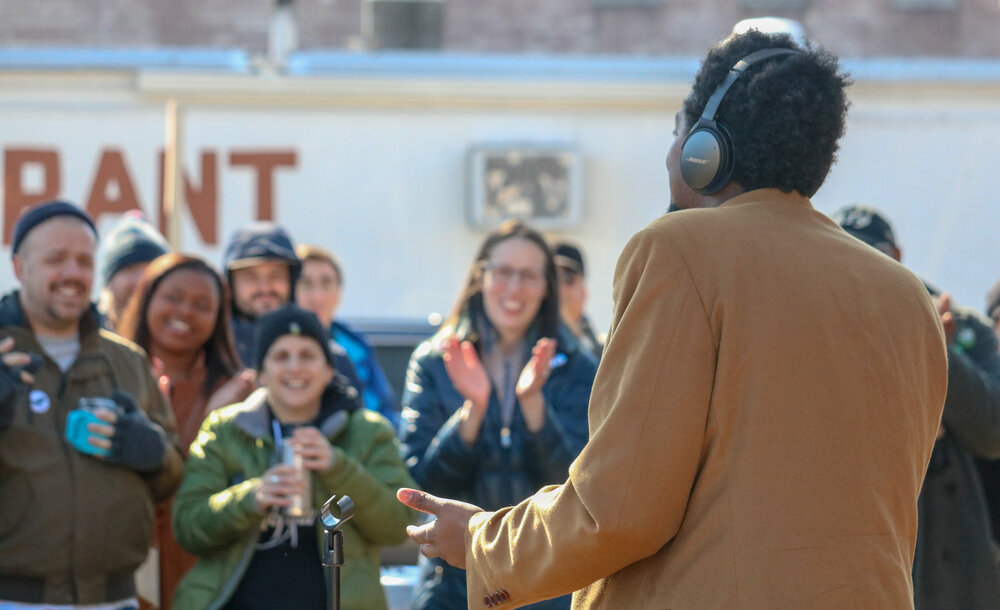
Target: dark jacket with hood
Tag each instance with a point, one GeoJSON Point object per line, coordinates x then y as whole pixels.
{"type": "Point", "coordinates": [955, 561]}
{"type": "Point", "coordinates": [73, 528]}
{"type": "Point", "coordinates": [268, 242]}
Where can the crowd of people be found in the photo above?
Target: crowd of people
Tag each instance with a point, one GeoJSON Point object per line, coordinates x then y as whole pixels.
{"type": "Point", "coordinates": [214, 378]}
{"type": "Point", "coordinates": [207, 413]}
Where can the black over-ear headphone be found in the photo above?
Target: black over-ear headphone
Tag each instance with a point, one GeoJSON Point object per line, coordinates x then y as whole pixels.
{"type": "Point", "coordinates": [707, 155]}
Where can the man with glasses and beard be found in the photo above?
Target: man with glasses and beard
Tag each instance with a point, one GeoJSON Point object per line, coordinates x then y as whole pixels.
{"type": "Point", "coordinates": [77, 509]}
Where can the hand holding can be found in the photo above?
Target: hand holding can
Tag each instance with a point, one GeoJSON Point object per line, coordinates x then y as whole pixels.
{"type": "Point", "coordinates": [278, 486]}
{"type": "Point", "coordinates": [90, 426]}
{"type": "Point", "coordinates": [300, 505]}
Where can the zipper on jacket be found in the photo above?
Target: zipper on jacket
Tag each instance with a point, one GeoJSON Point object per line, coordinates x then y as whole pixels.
{"type": "Point", "coordinates": [229, 587]}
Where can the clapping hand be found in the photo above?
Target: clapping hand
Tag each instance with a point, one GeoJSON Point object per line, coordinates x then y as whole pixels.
{"type": "Point", "coordinates": [536, 372]}
{"type": "Point", "coordinates": [466, 371]}
{"type": "Point", "coordinates": [530, 383]}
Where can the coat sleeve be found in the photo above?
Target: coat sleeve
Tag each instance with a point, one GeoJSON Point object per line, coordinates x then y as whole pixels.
{"type": "Point", "coordinates": [435, 453]}
{"type": "Point", "coordinates": [627, 491]}
{"type": "Point", "coordinates": [550, 451]}
{"type": "Point", "coordinates": [162, 483]}
{"type": "Point", "coordinates": [972, 407]}
{"type": "Point", "coordinates": [209, 513]}
{"type": "Point", "coordinates": [371, 481]}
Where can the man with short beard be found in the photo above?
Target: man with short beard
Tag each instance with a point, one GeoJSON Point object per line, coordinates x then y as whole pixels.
{"type": "Point", "coordinates": [76, 514]}
{"type": "Point", "coordinates": [262, 269]}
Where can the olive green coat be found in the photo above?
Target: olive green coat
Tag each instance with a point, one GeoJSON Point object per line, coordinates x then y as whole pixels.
{"type": "Point", "coordinates": [56, 537]}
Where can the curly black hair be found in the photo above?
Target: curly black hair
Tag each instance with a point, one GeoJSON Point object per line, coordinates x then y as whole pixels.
{"type": "Point", "coordinates": [785, 114]}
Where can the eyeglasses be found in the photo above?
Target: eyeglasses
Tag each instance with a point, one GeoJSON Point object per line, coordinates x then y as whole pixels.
{"type": "Point", "coordinates": [504, 274]}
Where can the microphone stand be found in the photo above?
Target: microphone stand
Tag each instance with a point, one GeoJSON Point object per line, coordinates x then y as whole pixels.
{"type": "Point", "coordinates": [333, 545]}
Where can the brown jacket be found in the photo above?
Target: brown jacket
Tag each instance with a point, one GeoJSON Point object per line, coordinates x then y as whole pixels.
{"type": "Point", "coordinates": [73, 529]}
{"type": "Point", "coordinates": [760, 426]}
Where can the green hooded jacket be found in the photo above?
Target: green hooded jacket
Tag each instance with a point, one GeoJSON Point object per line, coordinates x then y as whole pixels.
{"type": "Point", "coordinates": [215, 515]}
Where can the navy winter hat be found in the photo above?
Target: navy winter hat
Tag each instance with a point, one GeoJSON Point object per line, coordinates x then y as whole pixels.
{"type": "Point", "coordinates": [132, 240]}
{"type": "Point", "coordinates": [289, 320]}
{"type": "Point", "coordinates": [259, 242]}
{"type": "Point", "coordinates": [45, 211]}
{"type": "Point", "coordinates": [867, 224]}
{"type": "Point", "coordinates": [569, 256]}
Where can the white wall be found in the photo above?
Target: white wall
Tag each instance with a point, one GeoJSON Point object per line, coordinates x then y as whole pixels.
{"type": "Point", "coordinates": [380, 176]}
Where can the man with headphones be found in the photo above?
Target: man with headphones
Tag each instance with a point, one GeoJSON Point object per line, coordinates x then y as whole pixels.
{"type": "Point", "coordinates": [769, 393]}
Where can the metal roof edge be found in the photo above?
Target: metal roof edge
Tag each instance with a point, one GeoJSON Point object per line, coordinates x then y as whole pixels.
{"type": "Point", "coordinates": [199, 59]}
{"type": "Point", "coordinates": [422, 64]}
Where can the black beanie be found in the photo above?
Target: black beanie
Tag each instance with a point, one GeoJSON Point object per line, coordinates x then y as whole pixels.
{"type": "Point", "coordinates": [289, 320]}
{"type": "Point", "coordinates": [45, 211]}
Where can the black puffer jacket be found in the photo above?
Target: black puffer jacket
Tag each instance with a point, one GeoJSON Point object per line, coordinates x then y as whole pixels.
{"type": "Point", "coordinates": [488, 474]}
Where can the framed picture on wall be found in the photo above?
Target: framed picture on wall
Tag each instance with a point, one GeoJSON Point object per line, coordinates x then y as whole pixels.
{"type": "Point", "coordinates": [539, 183]}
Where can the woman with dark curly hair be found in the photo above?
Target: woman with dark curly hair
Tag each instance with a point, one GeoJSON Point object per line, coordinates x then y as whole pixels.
{"type": "Point", "coordinates": [495, 405]}
{"type": "Point", "coordinates": [178, 314]}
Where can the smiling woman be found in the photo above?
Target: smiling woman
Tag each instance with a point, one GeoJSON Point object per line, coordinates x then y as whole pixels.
{"type": "Point", "coordinates": [178, 315]}
{"type": "Point", "coordinates": [496, 403]}
{"type": "Point", "coordinates": [260, 470]}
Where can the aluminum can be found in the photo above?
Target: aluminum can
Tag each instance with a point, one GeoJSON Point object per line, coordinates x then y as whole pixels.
{"type": "Point", "coordinates": [301, 506]}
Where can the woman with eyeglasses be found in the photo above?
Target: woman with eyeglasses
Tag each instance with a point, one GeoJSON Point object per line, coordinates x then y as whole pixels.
{"type": "Point", "coordinates": [495, 404]}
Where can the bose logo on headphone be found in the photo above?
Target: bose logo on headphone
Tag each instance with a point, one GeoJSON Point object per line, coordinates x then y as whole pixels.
{"type": "Point", "coordinates": [707, 155]}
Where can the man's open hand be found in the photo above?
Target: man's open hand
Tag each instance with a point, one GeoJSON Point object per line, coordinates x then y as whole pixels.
{"type": "Point", "coordinates": [443, 537]}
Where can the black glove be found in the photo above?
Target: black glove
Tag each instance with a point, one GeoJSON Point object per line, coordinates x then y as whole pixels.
{"type": "Point", "coordinates": [8, 389]}
{"type": "Point", "coordinates": [138, 444]}
{"type": "Point", "coordinates": [10, 378]}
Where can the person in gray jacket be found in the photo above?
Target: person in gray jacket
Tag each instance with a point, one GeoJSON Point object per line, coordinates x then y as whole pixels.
{"type": "Point", "coordinates": [955, 562]}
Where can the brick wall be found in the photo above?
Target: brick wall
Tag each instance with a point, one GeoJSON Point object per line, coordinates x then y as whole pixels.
{"type": "Point", "coordinates": [853, 28]}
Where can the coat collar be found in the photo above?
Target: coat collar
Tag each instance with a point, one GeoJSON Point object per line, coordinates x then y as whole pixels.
{"type": "Point", "coordinates": [253, 417]}
{"type": "Point", "coordinates": [767, 195]}
{"type": "Point", "coordinates": [12, 314]}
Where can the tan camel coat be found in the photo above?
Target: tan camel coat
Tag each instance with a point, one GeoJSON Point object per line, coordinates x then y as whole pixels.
{"type": "Point", "coordinates": [760, 426]}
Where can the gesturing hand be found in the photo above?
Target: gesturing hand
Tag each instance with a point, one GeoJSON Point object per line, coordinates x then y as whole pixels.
{"type": "Point", "coordinates": [14, 362]}
{"type": "Point", "coordinates": [466, 371]}
{"type": "Point", "coordinates": [443, 537]}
